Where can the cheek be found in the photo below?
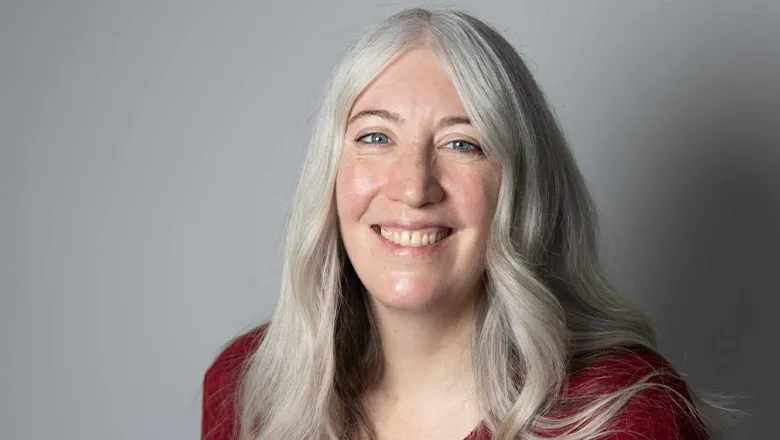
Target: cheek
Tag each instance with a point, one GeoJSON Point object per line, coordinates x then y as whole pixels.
{"type": "Point", "coordinates": [476, 194]}
{"type": "Point", "coordinates": [356, 185]}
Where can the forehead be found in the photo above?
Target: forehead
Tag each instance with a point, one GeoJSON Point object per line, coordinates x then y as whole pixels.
{"type": "Point", "coordinates": [415, 81]}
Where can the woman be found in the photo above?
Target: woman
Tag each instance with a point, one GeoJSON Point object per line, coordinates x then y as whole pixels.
{"type": "Point", "coordinates": [441, 278]}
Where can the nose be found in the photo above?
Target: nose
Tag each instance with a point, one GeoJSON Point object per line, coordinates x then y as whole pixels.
{"type": "Point", "coordinates": [414, 179]}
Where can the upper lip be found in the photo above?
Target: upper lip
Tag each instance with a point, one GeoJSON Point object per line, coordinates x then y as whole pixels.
{"type": "Point", "coordinates": [411, 225]}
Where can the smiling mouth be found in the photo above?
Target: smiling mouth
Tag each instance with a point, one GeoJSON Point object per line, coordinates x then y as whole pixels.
{"type": "Point", "coordinates": [407, 238]}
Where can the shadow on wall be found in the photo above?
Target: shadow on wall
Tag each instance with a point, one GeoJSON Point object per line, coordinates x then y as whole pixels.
{"type": "Point", "coordinates": [707, 217]}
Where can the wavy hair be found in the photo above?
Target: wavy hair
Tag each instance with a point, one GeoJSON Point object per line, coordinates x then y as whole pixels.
{"type": "Point", "coordinates": [547, 298]}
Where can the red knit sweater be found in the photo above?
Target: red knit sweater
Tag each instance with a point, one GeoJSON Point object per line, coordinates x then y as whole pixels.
{"type": "Point", "coordinates": [652, 414]}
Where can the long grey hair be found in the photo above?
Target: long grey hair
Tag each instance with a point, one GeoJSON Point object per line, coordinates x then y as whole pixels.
{"type": "Point", "coordinates": [546, 300]}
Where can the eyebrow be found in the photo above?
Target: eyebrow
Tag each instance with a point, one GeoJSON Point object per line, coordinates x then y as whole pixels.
{"type": "Point", "coordinates": [396, 118]}
{"type": "Point", "coordinates": [452, 120]}
{"type": "Point", "coordinates": [384, 114]}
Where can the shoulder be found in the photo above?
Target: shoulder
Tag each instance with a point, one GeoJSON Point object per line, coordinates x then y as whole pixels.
{"type": "Point", "coordinates": [221, 385]}
{"type": "Point", "coordinates": [612, 369]}
{"type": "Point", "coordinates": [237, 351]}
{"type": "Point", "coordinates": [660, 406]}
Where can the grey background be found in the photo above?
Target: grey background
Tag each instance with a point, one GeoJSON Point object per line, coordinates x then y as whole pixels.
{"type": "Point", "coordinates": [149, 150]}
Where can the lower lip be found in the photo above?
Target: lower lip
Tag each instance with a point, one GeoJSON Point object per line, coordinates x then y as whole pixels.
{"type": "Point", "coordinates": [412, 251]}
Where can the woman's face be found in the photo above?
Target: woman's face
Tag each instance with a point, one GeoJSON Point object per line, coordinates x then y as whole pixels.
{"type": "Point", "coordinates": [415, 193]}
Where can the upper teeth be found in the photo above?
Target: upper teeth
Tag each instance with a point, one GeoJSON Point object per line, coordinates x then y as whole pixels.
{"type": "Point", "coordinates": [413, 238]}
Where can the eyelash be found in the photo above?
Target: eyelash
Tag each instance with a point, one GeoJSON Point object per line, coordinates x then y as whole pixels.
{"type": "Point", "coordinates": [475, 148]}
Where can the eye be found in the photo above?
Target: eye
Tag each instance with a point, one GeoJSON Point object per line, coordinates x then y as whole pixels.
{"type": "Point", "coordinates": [465, 146]}
{"type": "Point", "coordinates": [374, 138]}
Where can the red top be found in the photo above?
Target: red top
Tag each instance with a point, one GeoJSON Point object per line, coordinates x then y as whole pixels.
{"type": "Point", "coordinates": [651, 414]}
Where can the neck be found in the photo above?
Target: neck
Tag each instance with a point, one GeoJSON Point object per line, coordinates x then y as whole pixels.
{"type": "Point", "coordinates": [427, 354]}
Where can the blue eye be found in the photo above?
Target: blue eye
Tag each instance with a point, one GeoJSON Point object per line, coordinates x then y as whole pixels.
{"type": "Point", "coordinates": [374, 138]}
{"type": "Point", "coordinates": [461, 145]}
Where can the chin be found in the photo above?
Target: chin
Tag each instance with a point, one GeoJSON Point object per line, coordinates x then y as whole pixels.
{"type": "Point", "coordinates": [409, 294]}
